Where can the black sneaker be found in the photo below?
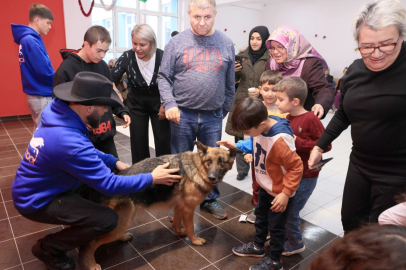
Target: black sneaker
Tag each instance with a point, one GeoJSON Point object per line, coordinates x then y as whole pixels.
{"type": "Point", "coordinates": [248, 250]}
{"type": "Point", "coordinates": [52, 261]}
{"type": "Point", "coordinates": [214, 208]}
{"type": "Point", "coordinates": [267, 264]}
{"type": "Point", "coordinates": [170, 215]}
{"type": "Point", "coordinates": [241, 176]}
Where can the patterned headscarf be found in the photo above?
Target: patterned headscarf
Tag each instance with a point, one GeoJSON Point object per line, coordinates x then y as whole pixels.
{"type": "Point", "coordinates": [298, 49]}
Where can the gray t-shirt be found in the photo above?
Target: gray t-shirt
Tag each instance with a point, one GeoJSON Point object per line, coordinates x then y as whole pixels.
{"type": "Point", "coordinates": [197, 72]}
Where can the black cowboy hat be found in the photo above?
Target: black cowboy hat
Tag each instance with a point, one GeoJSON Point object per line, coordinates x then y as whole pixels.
{"type": "Point", "coordinates": [88, 88]}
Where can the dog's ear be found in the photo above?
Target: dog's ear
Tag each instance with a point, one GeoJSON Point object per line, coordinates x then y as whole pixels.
{"type": "Point", "coordinates": [201, 148]}
{"type": "Point", "coordinates": [235, 151]}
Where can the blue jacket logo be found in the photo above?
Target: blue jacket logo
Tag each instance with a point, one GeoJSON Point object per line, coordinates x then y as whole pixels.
{"type": "Point", "coordinates": [33, 149]}
{"type": "Point", "coordinates": [20, 55]}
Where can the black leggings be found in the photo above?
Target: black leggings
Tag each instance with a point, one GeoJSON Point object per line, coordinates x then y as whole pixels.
{"type": "Point", "coordinates": [365, 198]}
{"type": "Point", "coordinates": [87, 220]}
{"type": "Point", "coordinates": [142, 108]}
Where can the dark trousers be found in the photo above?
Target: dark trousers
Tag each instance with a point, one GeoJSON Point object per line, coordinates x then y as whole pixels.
{"type": "Point", "coordinates": [364, 198]}
{"type": "Point", "coordinates": [242, 166]}
{"type": "Point", "coordinates": [87, 220]}
{"type": "Point", "coordinates": [107, 147]}
{"type": "Point", "coordinates": [142, 108]}
{"type": "Point", "coordinates": [274, 222]}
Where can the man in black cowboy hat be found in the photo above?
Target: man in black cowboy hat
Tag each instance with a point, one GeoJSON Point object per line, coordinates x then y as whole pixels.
{"type": "Point", "coordinates": [60, 156]}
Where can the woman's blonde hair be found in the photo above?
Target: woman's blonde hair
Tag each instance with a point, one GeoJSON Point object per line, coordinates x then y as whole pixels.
{"type": "Point", "coordinates": [379, 15]}
{"type": "Point", "coordinates": [145, 32]}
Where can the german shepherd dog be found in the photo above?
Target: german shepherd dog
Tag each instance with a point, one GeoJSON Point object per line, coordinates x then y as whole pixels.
{"type": "Point", "coordinates": [200, 173]}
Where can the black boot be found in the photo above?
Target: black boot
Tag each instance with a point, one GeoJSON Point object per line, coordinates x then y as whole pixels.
{"type": "Point", "coordinates": [57, 261]}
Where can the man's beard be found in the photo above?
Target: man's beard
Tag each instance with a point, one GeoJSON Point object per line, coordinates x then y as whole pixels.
{"type": "Point", "coordinates": [94, 119]}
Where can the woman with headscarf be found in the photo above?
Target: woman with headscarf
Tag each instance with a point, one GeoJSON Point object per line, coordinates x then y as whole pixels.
{"type": "Point", "coordinates": [293, 55]}
{"type": "Point", "coordinates": [249, 72]}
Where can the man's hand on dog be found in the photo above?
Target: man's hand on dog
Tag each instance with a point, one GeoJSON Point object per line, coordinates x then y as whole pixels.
{"type": "Point", "coordinates": [228, 144]}
{"type": "Point", "coordinates": [280, 202]}
{"type": "Point", "coordinates": [173, 115]}
{"type": "Point", "coordinates": [163, 176]}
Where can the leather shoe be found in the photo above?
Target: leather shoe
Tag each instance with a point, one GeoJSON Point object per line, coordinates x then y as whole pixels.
{"type": "Point", "coordinates": [57, 261]}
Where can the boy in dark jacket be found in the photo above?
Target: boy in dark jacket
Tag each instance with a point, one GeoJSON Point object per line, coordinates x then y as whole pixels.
{"type": "Point", "coordinates": [96, 43]}
{"type": "Point", "coordinates": [35, 66]}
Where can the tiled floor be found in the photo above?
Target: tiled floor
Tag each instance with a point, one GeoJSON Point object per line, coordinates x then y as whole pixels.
{"type": "Point", "coordinates": [154, 245]}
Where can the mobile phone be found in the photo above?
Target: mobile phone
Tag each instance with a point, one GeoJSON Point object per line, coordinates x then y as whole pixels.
{"type": "Point", "coordinates": [319, 165]}
{"type": "Point", "coordinates": [238, 59]}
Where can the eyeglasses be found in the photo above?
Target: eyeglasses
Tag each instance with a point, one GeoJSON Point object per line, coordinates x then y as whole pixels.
{"type": "Point", "coordinates": [279, 49]}
{"type": "Point", "coordinates": [385, 48]}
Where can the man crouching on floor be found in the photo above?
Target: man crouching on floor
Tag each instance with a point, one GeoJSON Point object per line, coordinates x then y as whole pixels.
{"type": "Point", "coordinates": [60, 157]}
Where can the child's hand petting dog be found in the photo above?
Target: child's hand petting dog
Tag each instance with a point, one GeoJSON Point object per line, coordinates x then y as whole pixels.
{"type": "Point", "coordinates": [248, 158]}
{"type": "Point", "coordinates": [280, 202]}
{"type": "Point", "coordinates": [228, 144]}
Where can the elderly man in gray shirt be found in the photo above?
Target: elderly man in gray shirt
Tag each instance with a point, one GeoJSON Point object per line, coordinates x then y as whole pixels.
{"type": "Point", "coordinates": [196, 83]}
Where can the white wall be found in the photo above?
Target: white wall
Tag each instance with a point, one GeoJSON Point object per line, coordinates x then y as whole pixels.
{"type": "Point", "coordinates": [76, 23]}
{"type": "Point", "coordinates": [236, 20]}
{"type": "Point", "coordinates": [332, 19]}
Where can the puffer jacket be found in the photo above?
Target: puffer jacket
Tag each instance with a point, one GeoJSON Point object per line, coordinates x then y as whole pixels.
{"type": "Point", "coordinates": [249, 76]}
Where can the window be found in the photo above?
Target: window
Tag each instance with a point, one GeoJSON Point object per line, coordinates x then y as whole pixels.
{"type": "Point", "coordinates": [161, 15]}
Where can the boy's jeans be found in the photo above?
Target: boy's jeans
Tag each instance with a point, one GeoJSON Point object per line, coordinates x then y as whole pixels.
{"type": "Point", "coordinates": [270, 221]}
{"type": "Point", "coordinates": [206, 126]}
{"type": "Point", "coordinates": [303, 193]}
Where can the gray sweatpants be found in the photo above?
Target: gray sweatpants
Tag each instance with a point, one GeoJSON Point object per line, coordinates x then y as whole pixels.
{"type": "Point", "coordinates": [36, 104]}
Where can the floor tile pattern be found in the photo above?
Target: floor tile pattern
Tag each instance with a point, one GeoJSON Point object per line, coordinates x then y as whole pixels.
{"type": "Point", "coordinates": [154, 245]}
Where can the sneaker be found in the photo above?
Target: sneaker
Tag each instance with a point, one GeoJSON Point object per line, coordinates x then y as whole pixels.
{"type": "Point", "coordinates": [251, 217]}
{"type": "Point", "coordinates": [52, 261]}
{"type": "Point", "coordinates": [290, 248]}
{"type": "Point", "coordinates": [214, 208]}
{"type": "Point", "coordinates": [248, 250]}
{"type": "Point", "coordinates": [267, 264]}
{"type": "Point", "coordinates": [170, 215]}
{"type": "Point", "coordinates": [241, 176]}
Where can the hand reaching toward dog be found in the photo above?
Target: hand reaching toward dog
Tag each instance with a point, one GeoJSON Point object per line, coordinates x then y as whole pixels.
{"type": "Point", "coordinates": [280, 202]}
{"type": "Point", "coordinates": [163, 176]}
{"type": "Point", "coordinates": [228, 144]}
{"type": "Point", "coordinates": [121, 165]}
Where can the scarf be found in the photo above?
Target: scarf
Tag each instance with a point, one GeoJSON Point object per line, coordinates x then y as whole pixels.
{"type": "Point", "coordinates": [264, 33]}
{"type": "Point", "coordinates": [298, 49]}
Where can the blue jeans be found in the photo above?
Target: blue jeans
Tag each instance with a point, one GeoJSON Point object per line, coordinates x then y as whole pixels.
{"type": "Point", "coordinates": [206, 126]}
{"type": "Point", "coordinates": [303, 193]}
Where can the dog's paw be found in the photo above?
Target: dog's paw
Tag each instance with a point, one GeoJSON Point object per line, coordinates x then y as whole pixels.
{"type": "Point", "coordinates": [126, 237]}
{"type": "Point", "coordinates": [198, 241]}
{"type": "Point", "coordinates": [182, 232]}
{"type": "Point", "coordinates": [95, 267]}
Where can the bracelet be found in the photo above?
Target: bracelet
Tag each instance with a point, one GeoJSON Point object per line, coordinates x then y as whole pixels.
{"type": "Point", "coordinates": [118, 92]}
{"type": "Point", "coordinates": [318, 149]}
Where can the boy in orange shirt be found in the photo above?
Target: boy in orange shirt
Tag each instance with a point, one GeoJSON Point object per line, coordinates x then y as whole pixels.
{"type": "Point", "coordinates": [278, 170]}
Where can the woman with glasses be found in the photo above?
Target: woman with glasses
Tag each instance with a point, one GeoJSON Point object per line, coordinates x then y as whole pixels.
{"type": "Point", "coordinates": [373, 102]}
{"type": "Point", "coordinates": [292, 55]}
{"type": "Point", "coordinates": [144, 101]}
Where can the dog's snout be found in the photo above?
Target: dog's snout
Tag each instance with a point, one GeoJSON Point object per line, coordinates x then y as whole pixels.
{"type": "Point", "coordinates": [212, 179]}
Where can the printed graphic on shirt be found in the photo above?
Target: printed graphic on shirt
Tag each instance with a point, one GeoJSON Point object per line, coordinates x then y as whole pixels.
{"type": "Point", "coordinates": [20, 54]}
{"type": "Point", "coordinates": [103, 128]}
{"type": "Point", "coordinates": [202, 59]}
{"type": "Point", "coordinates": [33, 149]}
{"type": "Point", "coordinates": [260, 158]}
{"type": "Point", "coordinates": [300, 129]}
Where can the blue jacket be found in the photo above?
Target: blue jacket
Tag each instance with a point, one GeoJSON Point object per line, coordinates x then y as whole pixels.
{"type": "Point", "coordinates": [36, 68]}
{"type": "Point", "coordinates": [60, 156]}
{"type": "Point", "coordinates": [282, 126]}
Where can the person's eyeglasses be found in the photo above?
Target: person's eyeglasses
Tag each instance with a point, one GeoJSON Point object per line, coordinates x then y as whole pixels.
{"type": "Point", "coordinates": [279, 49]}
{"type": "Point", "coordinates": [385, 48]}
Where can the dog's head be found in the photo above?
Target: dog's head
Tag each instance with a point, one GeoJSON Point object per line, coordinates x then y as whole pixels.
{"type": "Point", "coordinates": [216, 161]}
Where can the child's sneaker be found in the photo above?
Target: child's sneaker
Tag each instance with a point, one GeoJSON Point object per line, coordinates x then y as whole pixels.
{"type": "Point", "coordinates": [251, 217]}
{"type": "Point", "coordinates": [290, 248]}
{"type": "Point", "coordinates": [267, 264]}
{"type": "Point", "coordinates": [249, 250]}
